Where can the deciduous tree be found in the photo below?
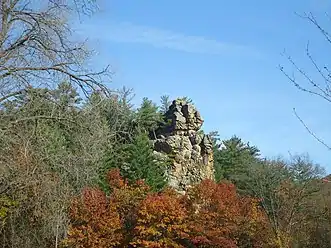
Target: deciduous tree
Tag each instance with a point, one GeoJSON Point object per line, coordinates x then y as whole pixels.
{"type": "Point", "coordinates": [161, 221]}
{"type": "Point", "coordinates": [94, 222]}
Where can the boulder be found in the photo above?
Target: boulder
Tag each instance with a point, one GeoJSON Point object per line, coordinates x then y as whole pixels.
{"type": "Point", "coordinates": [189, 150]}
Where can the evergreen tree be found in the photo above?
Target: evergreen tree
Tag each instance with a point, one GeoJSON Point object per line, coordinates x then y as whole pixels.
{"type": "Point", "coordinates": [148, 117]}
{"type": "Point", "coordinates": [133, 155]}
{"type": "Point", "coordinates": [165, 104]}
{"type": "Point", "coordinates": [140, 163]}
{"type": "Point", "coordinates": [185, 99]}
{"type": "Point", "coordinates": [233, 159]}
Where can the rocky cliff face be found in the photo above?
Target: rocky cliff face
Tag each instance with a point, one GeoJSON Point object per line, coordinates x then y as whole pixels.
{"type": "Point", "coordinates": [189, 150]}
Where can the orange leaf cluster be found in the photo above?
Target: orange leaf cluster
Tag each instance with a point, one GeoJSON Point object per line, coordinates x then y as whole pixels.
{"type": "Point", "coordinates": [162, 221]}
{"type": "Point", "coordinates": [209, 215]}
{"type": "Point", "coordinates": [214, 214]}
{"type": "Point", "coordinates": [94, 222]}
{"type": "Point", "coordinates": [221, 218]}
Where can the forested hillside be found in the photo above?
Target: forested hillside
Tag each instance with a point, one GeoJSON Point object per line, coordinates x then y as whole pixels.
{"type": "Point", "coordinates": [78, 167]}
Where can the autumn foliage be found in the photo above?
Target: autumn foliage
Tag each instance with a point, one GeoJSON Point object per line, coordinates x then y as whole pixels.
{"type": "Point", "coordinates": [162, 221]}
{"type": "Point", "coordinates": [209, 215]}
{"type": "Point", "coordinates": [95, 222]}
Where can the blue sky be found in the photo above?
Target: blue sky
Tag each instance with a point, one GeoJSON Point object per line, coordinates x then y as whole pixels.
{"type": "Point", "coordinates": [225, 56]}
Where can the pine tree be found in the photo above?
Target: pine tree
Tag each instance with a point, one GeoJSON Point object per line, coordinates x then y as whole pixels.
{"type": "Point", "coordinates": [141, 163]}
{"type": "Point", "coordinates": [148, 116]}
{"type": "Point", "coordinates": [185, 99]}
{"type": "Point", "coordinates": [136, 161]}
{"type": "Point", "coordinates": [235, 157]}
{"type": "Point", "coordinates": [165, 104]}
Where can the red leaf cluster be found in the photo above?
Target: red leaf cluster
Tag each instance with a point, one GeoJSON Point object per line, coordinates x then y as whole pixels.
{"type": "Point", "coordinates": [94, 222]}
{"type": "Point", "coordinates": [209, 215]}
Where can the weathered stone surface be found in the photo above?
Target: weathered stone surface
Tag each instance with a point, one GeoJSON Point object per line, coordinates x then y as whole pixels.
{"type": "Point", "coordinates": [189, 150]}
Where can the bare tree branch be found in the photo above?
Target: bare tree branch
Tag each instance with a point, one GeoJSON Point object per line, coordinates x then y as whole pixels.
{"type": "Point", "coordinates": [36, 47]}
{"type": "Point", "coordinates": [320, 86]}
{"type": "Point", "coordinates": [16, 93]}
{"type": "Point", "coordinates": [310, 132]}
{"type": "Point", "coordinates": [322, 92]}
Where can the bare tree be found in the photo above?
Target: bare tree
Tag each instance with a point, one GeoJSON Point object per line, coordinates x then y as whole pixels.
{"type": "Point", "coordinates": [85, 6]}
{"type": "Point", "coordinates": [284, 187]}
{"type": "Point", "coordinates": [37, 180]}
{"type": "Point", "coordinates": [36, 48]}
{"type": "Point", "coordinates": [318, 85]}
{"type": "Point", "coordinates": [51, 146]}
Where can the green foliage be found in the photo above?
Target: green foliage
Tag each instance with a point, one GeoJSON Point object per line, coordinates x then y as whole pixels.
{"type": "Point", "coordinates": [115, 112]}
{"type": "Point", "coordinates": [53, 144]}
{"type": "Point", "coordinates": [185, 99]}
{"type": "Point", "coordinates": [165, 104]}
{"type": "Point", "coordinates": [50, 149]}
{"type": "Point", "coordinates": [214, 135]}
{"type": "Point", "coordinates": [137, 161]}
{"type": "Point", "coordinates": [302, 169]}
{"type": "Point", "coordinates": [232, 161]}
{"type": "Point", "coordinates": [286, 189]}
{"type": "Point", "coordinates": [148, 117]}
{"type": "Point", "coordinates": [6, 206]}
{"type": "Point", "coordinates": [134, 154]}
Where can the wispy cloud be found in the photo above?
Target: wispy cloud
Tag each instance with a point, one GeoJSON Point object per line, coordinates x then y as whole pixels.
{"type": "Point", "coordinates": [129, 33]}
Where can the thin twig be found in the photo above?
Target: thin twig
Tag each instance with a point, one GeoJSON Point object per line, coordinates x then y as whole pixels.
{"type": "Point", "coordinates": [310, 132]}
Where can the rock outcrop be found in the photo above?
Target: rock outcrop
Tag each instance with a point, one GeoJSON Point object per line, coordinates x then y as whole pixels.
{"type": "Point", "coordinates": [189, 150]}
